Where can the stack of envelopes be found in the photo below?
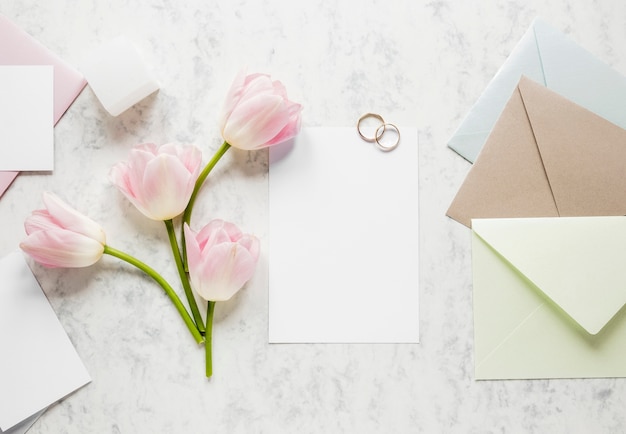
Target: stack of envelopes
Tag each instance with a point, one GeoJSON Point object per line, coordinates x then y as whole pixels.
{"type": "Point", "coordinates": [548, 57]}
{"type": "Point", "coordinates": [546, 200]}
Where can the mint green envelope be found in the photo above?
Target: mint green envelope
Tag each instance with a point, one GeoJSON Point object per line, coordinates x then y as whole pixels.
{"type": "Point", "coordinates": [549, 57]}
{"type": "Point", "coordinates": [549, 296]}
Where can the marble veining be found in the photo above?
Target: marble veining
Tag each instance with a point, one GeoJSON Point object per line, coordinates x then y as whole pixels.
{"type": "Point", "coordinates": [418, 62]}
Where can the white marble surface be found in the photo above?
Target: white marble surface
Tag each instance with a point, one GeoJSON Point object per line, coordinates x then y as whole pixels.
{"type": "Point", "coordinates": [416, 62]}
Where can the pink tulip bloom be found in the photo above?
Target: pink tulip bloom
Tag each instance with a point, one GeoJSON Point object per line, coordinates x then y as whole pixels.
{"type": "Point", "coordinates": [60, 236]}
{"type": "Point", "coordinates": [221, 259]}
{"type": "Point", "coordinates": [257, 113]}
{"type": "Point", "coordinates": [158, 180]}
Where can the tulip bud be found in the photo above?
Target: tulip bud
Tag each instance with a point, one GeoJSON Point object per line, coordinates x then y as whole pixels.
{"type": "Point", "coordinates": [60, 236]}
{"type": "Point", "coordinates": [257, 113]}
{"type": "Point", "coordinates": [158, 180]}
{"type": "Point", "coordinates": [221, 259]}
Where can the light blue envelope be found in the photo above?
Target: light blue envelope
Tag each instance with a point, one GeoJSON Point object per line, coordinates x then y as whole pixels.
{"type": "Point", "coordinates": [549, 57]}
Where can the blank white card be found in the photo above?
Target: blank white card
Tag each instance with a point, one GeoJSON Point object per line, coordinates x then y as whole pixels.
{"type": "Point", "coordinates": [39, 363]}
{"type": "Point", "coordinates": [343, 257]}
{"type": "Point", "coordinates": [26, 117]}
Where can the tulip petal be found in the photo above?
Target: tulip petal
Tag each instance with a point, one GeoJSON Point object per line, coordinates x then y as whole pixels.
{"type": "Point", "coordinates": [256, 121]}
{"type": "Point", "coordinates": [70, 219]}
{"type": "Point", "coordinates": [134, 168]}
{"type": "Point", "coordinates": [62, 248]}
{"type": "Point", "coordinates": [190, 156]}
{"type": "Point", "coordinates": [40, 220]}
{"type": "Point", "coordinates": [167, 187]}
{"type": "Point", "coordinates": [194, 254]}
{"type": "Point", "coordinates": [217, 231]}
{"type": "Point", "coordinates": [233, 96]}
{"type": "Point", "coordinates": [252, 245]}
{"type": "Point", "coordinates": [231, 229]}
{"type": "Point", "coordinates": [148, 148]}
{"type": "Point", "coordinates": [225, 269]}
{"type": "Point", "coordinates": [217, 236]}
{"type": "Point", "coordinates": [257, 84]}
{"type": "Point", "coordinates": [291, 129]}
{"type": "Point", "coordinates": [120, 176]}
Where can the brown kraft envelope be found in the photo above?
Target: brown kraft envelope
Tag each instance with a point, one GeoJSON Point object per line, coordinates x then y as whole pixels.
{"type": "Point", "coordinates": [545, 157]}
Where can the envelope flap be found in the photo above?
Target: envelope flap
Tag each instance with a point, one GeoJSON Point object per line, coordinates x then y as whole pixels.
{"type": "Point", "coordinates": [577, 262]}
{"type": "Point", "coordinates": [583, 154]}
{"type": "Point", "coordinates": [19, 48]}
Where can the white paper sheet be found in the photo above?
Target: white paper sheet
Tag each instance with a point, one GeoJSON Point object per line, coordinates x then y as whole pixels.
{"type": "Point", "coordinates": [26, 118]}
{"type": "Point", "coordinates": [39, 363]}
{"type": "Point", "coordinates": [343, 261]}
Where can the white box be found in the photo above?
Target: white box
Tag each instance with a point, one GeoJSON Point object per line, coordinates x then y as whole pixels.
{"type": "Point", "coordinates": [117, 75]}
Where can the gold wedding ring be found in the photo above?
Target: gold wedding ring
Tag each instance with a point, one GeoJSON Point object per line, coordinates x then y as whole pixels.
{"type": "Point", "coordinates": [379, 132]}
{"type": "Point", "coordinates": [366, 116]}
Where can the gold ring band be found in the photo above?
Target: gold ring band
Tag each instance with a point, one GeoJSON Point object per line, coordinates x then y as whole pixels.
{"type": "Point", "coordinates": [377, 136]}
{"type": "Point", "coordinates": [379, 132]}
{"type": "Point", "coordinates": [370, 115]}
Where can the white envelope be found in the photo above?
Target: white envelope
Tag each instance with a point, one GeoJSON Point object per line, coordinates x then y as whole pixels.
{"type": "Point", "coordinates": [549, 296]}
{"type": "Point", "coordinates": [39, 363]}
{"type": "Point", "coordinates": [546, 56]}
{"type": "Point", "coordinates": [343, 255]}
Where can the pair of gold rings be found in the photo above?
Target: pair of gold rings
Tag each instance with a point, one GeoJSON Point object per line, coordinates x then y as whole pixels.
{"type": "Point", "coordinates": [380, 131]}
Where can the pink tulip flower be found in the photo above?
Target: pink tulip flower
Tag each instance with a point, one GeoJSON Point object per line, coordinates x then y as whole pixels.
{"type": "Point", "coordinates": [158, 180]}
{"type": "Point", "coordinates": [221, 259]}
{"type": "Point", "coordinates": [60, 236]}
{"type": "Point", "coordinates": [257, 113]}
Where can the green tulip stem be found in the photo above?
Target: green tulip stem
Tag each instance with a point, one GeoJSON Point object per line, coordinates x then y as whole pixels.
{"type": "Point", "coordinates": [208, 338]}
{"type": "Point", "coordinates": [166, 286]}
{"type": "Point", "coordinates": [183, 276]}
{"type": "Point", "coordinates": [201, 178]}
{"type": "Point", "coordinates": [199, 182]}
